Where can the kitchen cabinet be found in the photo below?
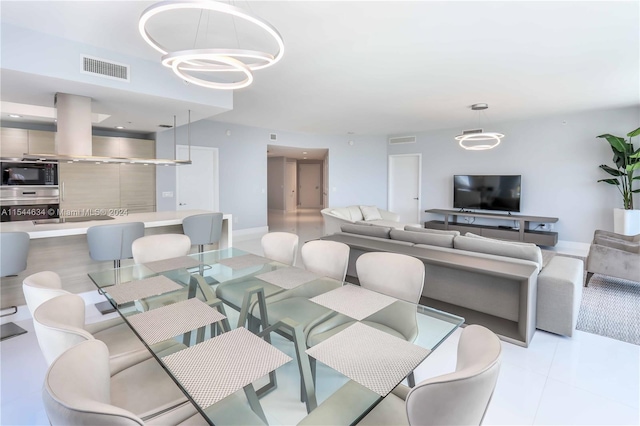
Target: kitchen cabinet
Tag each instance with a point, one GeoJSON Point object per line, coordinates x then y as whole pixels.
{"type": "Point", "coordinates": [88, 186]}
{"type": "Point", "coordinates": [13, 142]}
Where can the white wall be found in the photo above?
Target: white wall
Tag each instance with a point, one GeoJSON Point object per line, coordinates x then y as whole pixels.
{"type": "Point", "coordinates": [275, 183]}
{"type": "Point", "coordinates": [357, 173]}
{"type": "Point", "coordinates": [558, 158]}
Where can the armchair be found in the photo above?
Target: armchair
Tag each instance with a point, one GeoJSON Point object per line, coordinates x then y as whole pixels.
{"type": "Point", "coordinates": [615, 255]}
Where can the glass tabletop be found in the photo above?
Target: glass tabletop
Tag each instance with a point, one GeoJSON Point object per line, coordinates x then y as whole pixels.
{"type": "Point", "coordinates": [214, 317]}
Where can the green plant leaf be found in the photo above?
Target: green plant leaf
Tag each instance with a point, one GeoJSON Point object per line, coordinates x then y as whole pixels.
{"type": "Point", "coordinates": [636, 154]}
{"type": "Point", "coordinates": [610, 181]}
{"type": "Point", "coordinates": [636, 132]}
{"type": "Point", "coordinates": [611, 170]}
{"type": "Point", "coordinates": [636, 178]}
{"type": "Point", "coordinates": [632, 167]}
{"type": "Point", "coordinates": [617, 143]}
{"type": "Point", "coordinates": [636, 191]}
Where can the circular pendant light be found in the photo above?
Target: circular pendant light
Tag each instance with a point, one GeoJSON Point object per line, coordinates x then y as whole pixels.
{"type": "Point", "coordinates": [477, 139]}
{"type": "Point", "coordinates": [186, 61]}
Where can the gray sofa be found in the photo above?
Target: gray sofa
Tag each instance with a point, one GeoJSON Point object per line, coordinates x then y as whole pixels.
{"type": "Point", "coordinates": [501, 285]}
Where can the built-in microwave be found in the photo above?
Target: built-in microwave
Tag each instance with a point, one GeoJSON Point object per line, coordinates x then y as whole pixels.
{"type": "Point", "coordinates": [40, 173]}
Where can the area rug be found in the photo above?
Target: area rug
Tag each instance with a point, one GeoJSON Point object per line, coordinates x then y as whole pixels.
{"type": "Point", "coordinates": [611, 307]}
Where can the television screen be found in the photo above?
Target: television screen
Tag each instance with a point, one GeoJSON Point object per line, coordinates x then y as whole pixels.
{"type": "Point", "coordinates": [487, 192]}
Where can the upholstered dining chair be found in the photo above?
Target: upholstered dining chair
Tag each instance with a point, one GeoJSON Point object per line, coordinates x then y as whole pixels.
{"type": "Point", "coordinates": [159, 247]}
{"type": "Point", "coordinates": [59, 325]}
{"type": "Point", "coordinates": [279, 246]}
{"type": "Point", "coordinates": [97, 397]}
{"type": "Point", "coordinates": [14, 247]}
{"type": "Point", "coordinates": [396, 275]}
{"type": "Point", "coordinates": [79, 388]}
{"type": "Point", "coordinates": [458, 398]}
{"type": "Point", "coordinates": [45, 285]}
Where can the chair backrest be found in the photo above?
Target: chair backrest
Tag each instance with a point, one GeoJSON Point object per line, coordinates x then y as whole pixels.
{"type": "Point", "coordinates": [14, 247]}
{"type": "Point", "coordinates": [203, 228]}
{"type": "Point", "coordinates": [59, 325]}
{"type": "Point", "coordinates": [77, 389]}
{"type": "Point", "coordinates": [461, 397]}
{"type": "Point", "coordinates": [281, 247]}
{"type": "Point", "coordinates": [40, 287]}
{"type": "Point", "coordinates": [326, 258]}
{"type": "Point", "coordinates": [394, 274]}
{"type": "Point", "coordinates": [160, 247]}
{"type": "Point", "coordinates": [113, 242]}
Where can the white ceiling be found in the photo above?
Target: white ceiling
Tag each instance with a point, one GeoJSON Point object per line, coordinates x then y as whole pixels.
{"type": "Point", "coordinates": [384, 67]}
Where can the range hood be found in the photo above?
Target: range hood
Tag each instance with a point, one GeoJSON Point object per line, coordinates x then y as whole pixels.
{"type": "Point", "coordinates": [73, 139]}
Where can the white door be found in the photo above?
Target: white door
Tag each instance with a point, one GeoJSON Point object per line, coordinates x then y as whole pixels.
{"type": "Point", "coordinates": [197, 183]}
{"type": "Point", "coordinates": [404, 186]}
{"type": "Point", "coordinates": [310, 185]}
{"type": "Point", "coordinates": [290, 186]}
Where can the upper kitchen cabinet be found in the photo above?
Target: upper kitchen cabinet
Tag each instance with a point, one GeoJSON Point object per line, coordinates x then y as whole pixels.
{"type": "Point", "coordinates": [13, 142]}
{"type": "Point", "coordinates": [137, 148]}
{"type": "Point", "coordinates": [103, 146]}
{"type": "Point", "coordinates": [41, 142]}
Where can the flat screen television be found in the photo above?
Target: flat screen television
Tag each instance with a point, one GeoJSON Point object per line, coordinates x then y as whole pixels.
{"type": "Point", "coordinates": [487, 192]}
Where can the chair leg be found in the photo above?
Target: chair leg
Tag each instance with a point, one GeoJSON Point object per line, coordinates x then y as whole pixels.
{"type": "Point", "coordinates": [411, 379]}
{"type": "Point", "coordinates": [586, 281]}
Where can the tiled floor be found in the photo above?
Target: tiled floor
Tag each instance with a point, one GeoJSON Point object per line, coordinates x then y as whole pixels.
{"type": "Point", "coordinates": [584, 380]}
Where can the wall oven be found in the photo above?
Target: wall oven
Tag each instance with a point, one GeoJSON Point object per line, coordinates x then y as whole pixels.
{"type": "Point", "coordinates": [30, 173]}
{"type": "Point", "coordinates": [19, 203]}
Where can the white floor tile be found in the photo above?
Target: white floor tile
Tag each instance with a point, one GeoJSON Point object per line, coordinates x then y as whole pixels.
{"type": "Point", "coordinates": [600, 365]}
{"type": "Point", "coordinates": [537, 357]}
{"type": "Point", "coordinates": [27, 410]}
{"type": "Point", "coordinates": [563, 404]}
{"type": "Point", "coordinates": [516, 398]}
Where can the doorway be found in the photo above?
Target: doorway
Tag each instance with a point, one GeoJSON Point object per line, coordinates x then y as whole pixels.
{"type": "Point", "coordinates": [290, 186]}
{"type": "Point", "coordinates": [405, 176]}
{"type": "Point", "coordinates": [197, 183]}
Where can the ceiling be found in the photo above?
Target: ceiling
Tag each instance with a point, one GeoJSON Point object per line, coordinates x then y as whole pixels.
{"type": "Point", "coordinates": [383, 67]}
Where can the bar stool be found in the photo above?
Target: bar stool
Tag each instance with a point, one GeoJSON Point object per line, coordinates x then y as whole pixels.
{"type": "Point", "coordinates": [203, 229]}
{"type": "Point", "coordinates": [14, 247]}
{"type": "Point", "coordinates": [113, 242]}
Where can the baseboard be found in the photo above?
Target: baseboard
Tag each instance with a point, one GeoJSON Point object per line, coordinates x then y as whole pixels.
{"type": "Point", "coordinates": [249, 233]}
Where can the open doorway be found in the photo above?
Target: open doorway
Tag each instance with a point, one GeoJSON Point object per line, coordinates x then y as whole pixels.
{"type": "Point", "coordinates": [297, 182]}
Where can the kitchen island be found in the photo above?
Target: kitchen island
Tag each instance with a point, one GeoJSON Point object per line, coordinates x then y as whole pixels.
{"type": "Point", "coordinates": [63, 248]}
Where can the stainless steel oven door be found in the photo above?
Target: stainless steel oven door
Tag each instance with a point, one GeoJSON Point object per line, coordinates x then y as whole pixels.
{"type": "Point", "coordinates": [18, 203]}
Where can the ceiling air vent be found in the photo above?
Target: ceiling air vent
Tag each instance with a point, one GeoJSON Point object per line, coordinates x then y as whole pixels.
{"type": "Point", "coordinates": [273, 137]}
{"type": "Point", "coordinates": [106, 69]}
{"type": "Point", "coordinates": [402, 139]}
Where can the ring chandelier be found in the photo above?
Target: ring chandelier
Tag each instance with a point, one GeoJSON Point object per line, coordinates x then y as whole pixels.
{"type": "Point", "coordinates": [477, 139]}
{"type": "Point", "coordinates": [185, 62]}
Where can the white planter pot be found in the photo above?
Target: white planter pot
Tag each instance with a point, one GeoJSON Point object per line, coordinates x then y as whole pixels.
{"type": "Point", "coordinates": [626, 222]}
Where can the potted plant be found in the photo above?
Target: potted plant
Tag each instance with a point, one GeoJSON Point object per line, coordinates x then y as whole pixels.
{"type": "Point", "coordinates": [627, 161]}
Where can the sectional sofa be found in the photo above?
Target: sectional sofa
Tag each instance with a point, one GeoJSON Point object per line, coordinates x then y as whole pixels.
{"type": "Point", "coordinates": [501, 285]}
{"type": "Point", "coordinates": [335, 217]}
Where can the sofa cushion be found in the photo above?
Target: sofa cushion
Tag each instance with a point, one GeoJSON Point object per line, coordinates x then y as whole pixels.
{"type": "Point", "coordinates": [518, 250]}
{"type": "Point", "coordinates": [628, 246]}
{"type": "Point", "coordinates": [370, 213]}
{"type": "Point", "coordinates": [355, 213]}
{"type": "Point", "coordinates": [414, 228]}
{"type": "Point", "coordinates": [370, 231]}
{"type": "Point", "coordinates": [341, 212]}
{"type": "Point", "coordinates": [387, 223]}
{"type": "Point", "coordinates": [422, 238]}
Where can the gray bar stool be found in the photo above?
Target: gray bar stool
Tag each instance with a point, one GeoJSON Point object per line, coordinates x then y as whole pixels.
{"type": "Point", "coordinates": [14, 249]}
{"type": "Point", "coordinates": [113, 242]}
{"type": "Point", "coordinates": [203, 229]}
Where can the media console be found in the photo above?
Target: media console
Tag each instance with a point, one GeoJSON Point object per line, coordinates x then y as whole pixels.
{"type": "Point", "coordinates": [523, 233]}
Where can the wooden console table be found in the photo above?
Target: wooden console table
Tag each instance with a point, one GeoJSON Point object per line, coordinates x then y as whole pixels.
{"type": "Point", "coordinates": [523, 233]}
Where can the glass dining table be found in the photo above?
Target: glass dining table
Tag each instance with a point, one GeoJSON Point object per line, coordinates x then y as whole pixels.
{"type": "Point", "coordinates": [232, 360]}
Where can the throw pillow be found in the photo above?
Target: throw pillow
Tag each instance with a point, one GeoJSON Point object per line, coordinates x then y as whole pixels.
{"type": "Point", "coordinates": [440, 240]}
{"type": "Point", "coordinates": [370, 213]}
{"type": "Point", "coordinates": [518, 250]}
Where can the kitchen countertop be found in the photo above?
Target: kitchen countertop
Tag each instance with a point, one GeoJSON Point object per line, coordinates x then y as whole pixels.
{"type": "Point", "coordinates": [150, 220]}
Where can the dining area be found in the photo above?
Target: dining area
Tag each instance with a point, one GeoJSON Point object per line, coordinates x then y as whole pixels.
{"type": "Point", "coordinates": [226, 336]}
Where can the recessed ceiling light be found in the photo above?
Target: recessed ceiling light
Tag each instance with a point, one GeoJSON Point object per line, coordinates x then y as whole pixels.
{"type": "Point", "coordinates": [119, 127]}
{"type": "Point", "coordinates": [15, 116]}
{"type": "Point", "coordinates": [304, 158]}
{"type": "Point", "coordinates": [304, 152]}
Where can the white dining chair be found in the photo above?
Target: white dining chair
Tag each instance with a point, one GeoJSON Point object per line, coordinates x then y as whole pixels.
{"type": "Point", "coordinates": [60, 324]}
{"type": "Point", "coordinates": [281, 247]}
{"type": "Point", "coordinates": [141, 395]}
{"type": "Point", "coordinates": [458, 398]}
{"type": "Point", "coordinates": [159, 247]}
